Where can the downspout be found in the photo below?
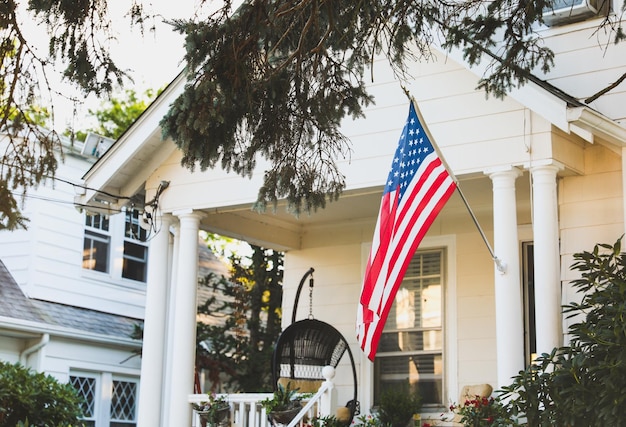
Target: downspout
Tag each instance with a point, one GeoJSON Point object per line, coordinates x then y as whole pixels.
{"type": "Point", "coordinates": [45, 339]}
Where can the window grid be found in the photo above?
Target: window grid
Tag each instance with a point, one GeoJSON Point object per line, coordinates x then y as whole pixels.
{"type": "Point", "coordinates": [86, 388]}
{"type": "Point", "coordinates": [123, 401]}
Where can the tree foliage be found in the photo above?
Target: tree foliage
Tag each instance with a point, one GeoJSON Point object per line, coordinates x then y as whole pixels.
{"type": "Point", "coordinates": [583, 384]}
{"type": "Point", "coordinates": [79, 32]}
{"type": "Point", "coordinates": [116, 114]}
{"type": "Point", "coordinates": [271, 80]}
{"type": "Point", "coordinates": [276, 78]}
{"type": "Point", "coordinates": [36, 399]}
{"type": "Point", "coordinates": [249, 304]}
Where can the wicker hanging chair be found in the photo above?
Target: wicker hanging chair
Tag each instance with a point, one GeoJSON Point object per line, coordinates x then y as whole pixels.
{"type": "Point", "coordinates": [304, 348]}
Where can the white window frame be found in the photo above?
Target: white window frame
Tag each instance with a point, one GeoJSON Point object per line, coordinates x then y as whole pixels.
{"type": "Point", "coordinates": [137, 236]}
{"type": "Point", "coordinates": [103, 395]}
{"type": "Point", "coordinates": [117, 238]}
{"type": "Point", "coordinates": [450, 357]}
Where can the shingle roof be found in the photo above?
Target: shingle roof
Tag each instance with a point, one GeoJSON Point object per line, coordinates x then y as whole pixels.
{"type": "Point", "coordinates": [14, 304]}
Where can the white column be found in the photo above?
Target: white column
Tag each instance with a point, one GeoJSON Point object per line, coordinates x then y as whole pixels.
{"type": "Point", "coordinates": [153, 351]}
{"type": "Point", "coordinates": [546, 259]}
{"type": "Point", "coordinates": [183, 329]}
{"type": "Point", "coordinates": [167, 386]}
{"type": "Point", "coordinates": [508, 289]}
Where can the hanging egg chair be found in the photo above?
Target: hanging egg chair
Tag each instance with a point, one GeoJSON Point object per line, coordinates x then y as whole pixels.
{"type": "Point", "coordinates": [305, 347]}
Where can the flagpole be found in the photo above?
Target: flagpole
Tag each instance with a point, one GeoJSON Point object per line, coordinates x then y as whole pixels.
{"type": "Point", "coordinates": [499, 264]}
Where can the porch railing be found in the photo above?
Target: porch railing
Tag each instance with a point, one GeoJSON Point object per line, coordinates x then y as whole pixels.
{"type": "Point", "coordinates": [246, 409]}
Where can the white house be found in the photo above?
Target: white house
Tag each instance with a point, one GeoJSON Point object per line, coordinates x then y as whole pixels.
{"type": "Point", "coordinates": [60, 312]}
{"type": "Point", "coordinates": [72, 290]}
{"type": "Point", "coordinates": [542, 171]}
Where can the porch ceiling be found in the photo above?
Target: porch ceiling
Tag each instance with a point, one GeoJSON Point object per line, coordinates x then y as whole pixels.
{"type": "Point", "coordinates": [355, 209]}
{"type": "Point", "coordinates": [281, 230]}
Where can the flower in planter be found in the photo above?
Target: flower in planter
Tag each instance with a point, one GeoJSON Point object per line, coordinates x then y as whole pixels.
{"type": "Point", "coordinates": [214, 411]}
{"type": "Point", "coordinates": [367, 420]}
{"type": "Point", "coordinates": [483, 412]}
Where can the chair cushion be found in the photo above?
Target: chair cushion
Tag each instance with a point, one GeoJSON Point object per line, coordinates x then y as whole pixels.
{"type": "Point", "coordinates": [303, 386]}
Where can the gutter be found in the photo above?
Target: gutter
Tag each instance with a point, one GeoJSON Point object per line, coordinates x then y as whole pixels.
{"type": "Point", "coordinates": [45, 339]}
{"type": "Point", "coordinates": [75, 334]}
{"type": "Point", "coordinates": [586, 122]}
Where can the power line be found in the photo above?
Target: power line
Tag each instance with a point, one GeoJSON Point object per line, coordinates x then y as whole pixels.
{"type": "Point", "coordinates": [75, 185]}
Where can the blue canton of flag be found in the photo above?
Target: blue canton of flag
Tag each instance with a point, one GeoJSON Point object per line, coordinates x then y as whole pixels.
{"type": "Point", "coordinates": [413, 147]}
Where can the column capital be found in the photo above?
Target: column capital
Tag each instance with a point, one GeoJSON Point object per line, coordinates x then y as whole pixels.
{"type": "Point", "coordinates": [507, 170]}
{"type": "Point", "coordinates": [544, 164]}
{"type": "Point", "coordinates": [188, 213]}
{"type": "Point", "coordinates": [188, 216]}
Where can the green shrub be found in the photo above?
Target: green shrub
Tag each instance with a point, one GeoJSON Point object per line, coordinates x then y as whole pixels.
{"type": "Point", "coordinates": [35, 399]}
{"type": "Point", "coordinates": [398, 406]}
{"type": "Point", "coordinates": [582, 385]}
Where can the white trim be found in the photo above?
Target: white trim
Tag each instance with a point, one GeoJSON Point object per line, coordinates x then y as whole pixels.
{"type": "Point", "coordinates": [97, 368]}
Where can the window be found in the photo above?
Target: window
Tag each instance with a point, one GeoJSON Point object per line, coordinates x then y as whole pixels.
{"type": "Point", "coordinates": [86, 387]}
{"type": "Point", "coordinates": [135, 248]}
{"type": "Point", "coordinates": [123, 403]}
{"type": "Point", "coordinates": [116, 245]}
{"type": "Point", "coordinates": [410, 352]}
{"type": "Point", "coordinates": [96, 243]}
{"type": "Point", "coordinates": [114, 406]}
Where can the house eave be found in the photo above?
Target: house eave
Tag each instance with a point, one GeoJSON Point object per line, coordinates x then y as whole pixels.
{"type": "Point", "coordinates": [31, 329]}
{"type": "Point", "coordinates": [123, 169]}
{"type": "Point", "coordinates": [588, 123]}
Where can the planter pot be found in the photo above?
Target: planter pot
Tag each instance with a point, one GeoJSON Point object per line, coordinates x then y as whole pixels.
{"type": "Point", "coordinates": [219, 418]}
{"type": "Point", "coordinates": [283, 417]}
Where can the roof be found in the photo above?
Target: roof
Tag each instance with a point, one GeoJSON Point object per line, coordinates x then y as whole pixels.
{"type": "Point", "coordinates": [14, 304]}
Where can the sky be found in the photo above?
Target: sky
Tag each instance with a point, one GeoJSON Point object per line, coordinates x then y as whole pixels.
{"type": "Point", "coordinates": [152, 60]}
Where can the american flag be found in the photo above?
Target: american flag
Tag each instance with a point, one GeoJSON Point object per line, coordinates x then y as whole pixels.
{"type": "Point", "coordinates": [417, 188]}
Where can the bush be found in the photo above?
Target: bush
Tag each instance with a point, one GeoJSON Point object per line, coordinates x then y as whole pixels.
{"type": "Point", "coordinates": [582, 384]}
{"type": "Point", "coordinates": [35, 399]}
{"type": "Point", "coordinates": [398, 406]}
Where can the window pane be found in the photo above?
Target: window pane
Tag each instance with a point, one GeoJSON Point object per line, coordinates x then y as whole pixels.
{"type": "Point", "coordinates": [123, 402]}
{"type": "Point", "coordinates": [135, 261]}
{"type": "Point", "coordinates": [422, 373]}
{"type": "Point", "coordinates": [133, 228]}
{"type": "Point", "coordinates": [101, 222]}
{"type": "Point", "coordinates": [431, 303]}
{"type": "Point", "coordinates": [86, 388]}
{"type": "Point", "coordinates": [410, 341]}
{"type": "Point", "coordinates": [96, 252]}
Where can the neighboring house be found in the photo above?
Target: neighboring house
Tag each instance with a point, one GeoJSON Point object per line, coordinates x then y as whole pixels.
{"type": "Point", "coordinates": [72, 290]}
{"type": "Point", "coordinates": [542, 171]}
{"type": "Point", "coordinates": [67, 307]}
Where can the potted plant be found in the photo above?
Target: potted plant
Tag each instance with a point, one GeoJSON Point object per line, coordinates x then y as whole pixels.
{"type": "Point", "coordinates": [283, 406]}
{"type": "Point", "coordinates": [397, 407]}
{"type": "Point", "coordinates": [215, 412]}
